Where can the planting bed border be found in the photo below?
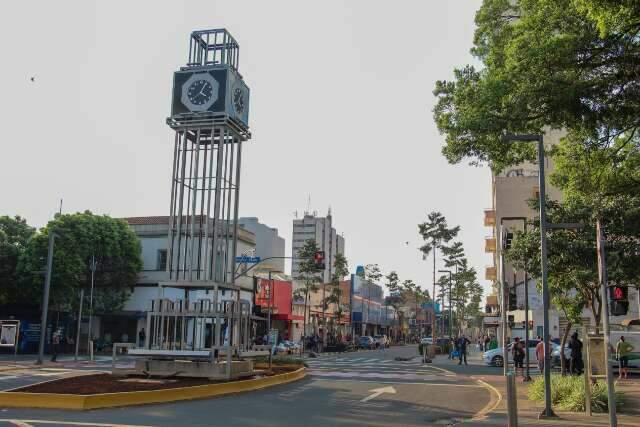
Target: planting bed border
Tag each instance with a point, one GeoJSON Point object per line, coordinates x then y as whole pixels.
{"type": "Point", "coordinates": [14, 399]}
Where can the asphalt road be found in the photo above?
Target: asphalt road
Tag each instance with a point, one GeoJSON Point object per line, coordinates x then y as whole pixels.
{"type": "Point", "coordinates": [366, 388]}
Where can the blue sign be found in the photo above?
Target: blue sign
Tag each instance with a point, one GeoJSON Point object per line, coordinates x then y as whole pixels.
{"type": "Point", "coordinates": [428, 305]}
{"type": "Point", "coordinates": [360, 271]}
{"type": "Point", "coordinates": [243, 259]}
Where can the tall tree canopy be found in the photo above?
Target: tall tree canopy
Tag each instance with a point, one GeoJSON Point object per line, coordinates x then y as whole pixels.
{"type": "Point", "coordinates": [566, 64]}
{"type": "Point", "coordinates": [15, 235]}
{"type": "Point", "coordinates": [78, 237]}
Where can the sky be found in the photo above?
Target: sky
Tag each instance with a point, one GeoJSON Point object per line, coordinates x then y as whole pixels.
{"type": "Point", "coordinates": [340, 112]}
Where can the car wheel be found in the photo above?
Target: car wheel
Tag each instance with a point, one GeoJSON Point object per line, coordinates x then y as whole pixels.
{"type": "Point", "coordinates": [498, 361]}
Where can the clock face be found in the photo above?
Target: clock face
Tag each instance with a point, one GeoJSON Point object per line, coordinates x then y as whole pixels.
{"type": "Point", "coordinates": [200, 92]}
{"type": "Point", "coordinates": [238, 100]}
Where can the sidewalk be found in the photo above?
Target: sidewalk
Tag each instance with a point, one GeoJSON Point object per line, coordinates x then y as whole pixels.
{"type": "Point", "coordinates": [528, 410]}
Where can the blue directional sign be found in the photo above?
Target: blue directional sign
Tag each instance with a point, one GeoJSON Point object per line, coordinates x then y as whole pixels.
{"type": "Point", "coordinates": [243, 259]}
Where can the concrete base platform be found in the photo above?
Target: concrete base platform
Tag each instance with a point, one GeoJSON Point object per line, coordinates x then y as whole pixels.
{"type": "Point", "coordinates": [189, 368]}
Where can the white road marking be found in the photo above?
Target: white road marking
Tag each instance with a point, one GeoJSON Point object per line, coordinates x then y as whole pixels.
{"type": "Point", "coordinates": [66, 423]}
{"type": "Point", "coordinates": [8, 377]}
{"type": "Point", "coordinates": [378, 391]}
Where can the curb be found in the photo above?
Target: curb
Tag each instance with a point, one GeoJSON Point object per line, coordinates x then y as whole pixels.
{"type": "Point", "coordinates": [110, 400]}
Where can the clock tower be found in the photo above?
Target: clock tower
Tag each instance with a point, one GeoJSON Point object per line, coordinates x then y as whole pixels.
{"type": "Point", "coordinates": [210, 117]}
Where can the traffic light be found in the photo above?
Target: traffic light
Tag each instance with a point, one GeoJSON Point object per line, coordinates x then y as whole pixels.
{"type": "Point", "coordinates": [508, 240]}
{"type": "Point", "coordinates": [319, 260]}
{"type": "Point", "coordinates": [513, 299]}
{"type": "Point", "coordinates": [618, 300]}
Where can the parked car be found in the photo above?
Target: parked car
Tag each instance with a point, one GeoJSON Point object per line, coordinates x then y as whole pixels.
{"type": "Point", "coordinates": [366, 342]}
{"type": "Point", "coordinates": [494, 357]}
{"type": "Point", "coordinates": [381, 341]}
{"type": "Point", "coordinates": [426, 340]}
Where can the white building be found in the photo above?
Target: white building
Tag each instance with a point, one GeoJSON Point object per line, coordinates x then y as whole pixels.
{"type": "Point", "coordinates": [153, 234]}
{"type": "Point", "coordinates": [268, 244]}
{"type": "Point", "coordinates": [321, 230]}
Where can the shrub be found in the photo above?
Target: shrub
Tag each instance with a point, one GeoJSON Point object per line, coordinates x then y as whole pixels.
{"type": "Point", "coordinates": [280, 360]}
{"type": "Point", "coordinates": [567, 393]}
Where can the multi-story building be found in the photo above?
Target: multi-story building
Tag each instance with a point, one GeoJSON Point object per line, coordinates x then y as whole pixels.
{"type": "Point", "coordinates": [512, 189]}
{"type": "Point", "coordinates": [321, 230]}
{"type": "Point", "coordinates": [268, 244]}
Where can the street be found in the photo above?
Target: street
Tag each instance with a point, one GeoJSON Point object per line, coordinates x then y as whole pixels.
{"type": "Point", "coordinates": [356, 389]}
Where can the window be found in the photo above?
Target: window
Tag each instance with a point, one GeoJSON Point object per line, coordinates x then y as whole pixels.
{"type": "Point", "coordinates": [162, 260]}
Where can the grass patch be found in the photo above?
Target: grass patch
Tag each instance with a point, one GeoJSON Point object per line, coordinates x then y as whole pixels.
{"type": "Point", "coordinates": [567, 393]}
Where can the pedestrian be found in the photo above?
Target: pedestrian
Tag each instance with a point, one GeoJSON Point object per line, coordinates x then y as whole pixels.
{"type": "Point", "coordinates": [540, 354]}
{"type": "Point", "coordinates": [623, 349]}
{"type": "Point", "coordinates": [452, 347]}
{"type": "Point", "coordinates": [463, 343]}
{"type": "Point", "coordinates": [55, 346]}
{"type": "Point", "coordinates": [575, 345]}
{"type": "Point", "coordinates": [517, 352]}
{"type": "Point", "coordinates": [142, 336]}
{"type": "Point", "coordinates": [487, 340]}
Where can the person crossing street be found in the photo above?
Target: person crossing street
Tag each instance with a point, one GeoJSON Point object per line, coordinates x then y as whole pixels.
{"type": "Point", "coordinates": [463, 344]}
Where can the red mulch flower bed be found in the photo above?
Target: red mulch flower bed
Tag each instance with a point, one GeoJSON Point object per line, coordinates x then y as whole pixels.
{"type": "Point", "coordinates": [107, 383]}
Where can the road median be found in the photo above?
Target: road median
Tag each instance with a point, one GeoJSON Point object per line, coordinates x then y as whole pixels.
{"type": "Point", "coordinates": [16, 399]}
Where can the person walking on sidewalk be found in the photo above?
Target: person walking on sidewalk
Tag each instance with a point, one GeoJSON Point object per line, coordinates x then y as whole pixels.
{"type": "Point", "coordinates": [463, 344]}
{"type": "Point", "coordinates": [142, 336]}
{"type": "Point", "coordinates": [623, 349]}
{"type": "Point", "coordinates": [517, 352]}
{"type": "Point", "coordinates": [575, 345]}
{"type": "Point", "coordinates": [55, 346]}
{"type": "Point", "coordinates": [540, 354]}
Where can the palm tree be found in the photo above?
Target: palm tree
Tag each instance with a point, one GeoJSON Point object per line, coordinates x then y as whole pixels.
{"type": "Point", "coordinates": [436, 234]}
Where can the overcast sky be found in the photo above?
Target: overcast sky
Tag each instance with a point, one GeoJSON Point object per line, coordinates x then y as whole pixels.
{"type": "Point", "coordinates": [341, 110]}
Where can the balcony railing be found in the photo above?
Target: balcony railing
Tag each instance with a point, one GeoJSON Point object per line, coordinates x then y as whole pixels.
{"type": "Point", "coordinates": [489, 217]}
{"type": "Point", "coordinates": [490, 245]}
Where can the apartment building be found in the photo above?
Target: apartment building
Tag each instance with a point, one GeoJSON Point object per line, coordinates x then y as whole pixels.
{"type": "Point", "coordinates": [322, 231]}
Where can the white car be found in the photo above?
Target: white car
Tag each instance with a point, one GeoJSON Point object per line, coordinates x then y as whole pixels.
{"type": "Point", "coordinates": [426, 341]}
{"type": "Point", "coordinates": [494, 357]}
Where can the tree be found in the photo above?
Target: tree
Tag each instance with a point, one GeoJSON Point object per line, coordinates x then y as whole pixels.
{"type": "Point", "coordinates": [573, 275]}
{"type": "Point", "coordinates": [80, 236]}
{"type": "Point", "coordinates": [565, 64]}
{"type": "Point", "coordinates": [372, 276]}
{"type": "Point", "coordinates": [308, 275]}
{"type": "Point", "coordinates": [436, 233]}
{"type": "Point", "coordinates": [415, 295]}
{"type": "Point", "coordinates": [15, 235]}
{"type": "Point", "coordinates": [340, 270]}
{"type": "Point", "coordinates": [397, 296]}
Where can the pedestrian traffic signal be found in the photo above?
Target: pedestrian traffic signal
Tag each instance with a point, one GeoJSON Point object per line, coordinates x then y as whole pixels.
{"type": "Point", "coordinates": [318, 258]}
{"type": "Point", "coordinates": [618, 300]}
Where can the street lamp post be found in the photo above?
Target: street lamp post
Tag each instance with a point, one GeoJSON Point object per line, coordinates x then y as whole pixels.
{"type": "Point", "coordinates": [450, 318]}
{"type": "Point", "coordinates": [548, 411]}
{"type": "Point", "coordinates": [45, 298]}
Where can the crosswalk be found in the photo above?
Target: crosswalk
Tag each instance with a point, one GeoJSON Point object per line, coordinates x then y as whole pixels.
{"type": "Point", "coordinates": [376, 368]}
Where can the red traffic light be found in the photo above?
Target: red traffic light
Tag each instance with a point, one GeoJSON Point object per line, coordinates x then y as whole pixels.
{"type": "Point", "coordinates": [618, 293]}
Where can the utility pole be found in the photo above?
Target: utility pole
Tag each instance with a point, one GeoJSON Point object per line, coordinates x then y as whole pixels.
{"type": "Point", "coordinates": [450, 304]}
{"type": "Point", "coordinates": [79, 323]}
{"type": "Point", "coordinates": [269, 305]}
{"type": "Point", "coordinates": [45, 297]}
{"type": "Point", "coordinates": [92, 266]}
{"type": "Point", "coordinates": [602, 270]}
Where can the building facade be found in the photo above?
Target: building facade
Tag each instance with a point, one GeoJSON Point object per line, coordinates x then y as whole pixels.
{"type": "Point", "coordinates": [268, 244]}
{"type": "Point", "coordinates": [125, 325]}
{"type": "Point", "coordinates": [322, 231]}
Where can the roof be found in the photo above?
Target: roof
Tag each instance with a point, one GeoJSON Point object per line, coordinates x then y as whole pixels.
{"type": "Point", "coordinates": [147, 220]}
